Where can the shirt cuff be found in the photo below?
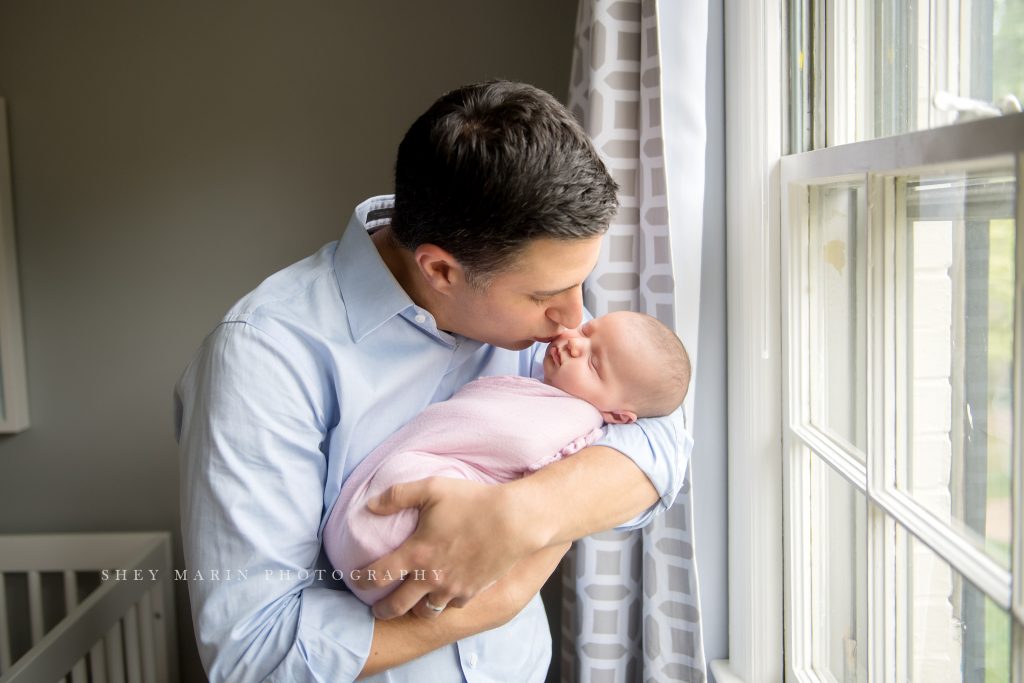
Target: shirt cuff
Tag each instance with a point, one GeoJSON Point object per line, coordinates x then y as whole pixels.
{"type": "Point", "coordinates": [335, 632]}
{"type": "Point", "coordinates": [661, 448]}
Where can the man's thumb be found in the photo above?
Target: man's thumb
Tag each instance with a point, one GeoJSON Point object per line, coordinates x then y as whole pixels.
{"type": "Point", "coordinates": [397, 498]}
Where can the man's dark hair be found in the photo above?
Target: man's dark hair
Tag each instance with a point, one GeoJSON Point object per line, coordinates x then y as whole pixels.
{"type": "Point", "coordinates": [490, 167]}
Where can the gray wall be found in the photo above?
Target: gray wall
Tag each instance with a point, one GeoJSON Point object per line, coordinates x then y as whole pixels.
{"type": "Point", "coordinates": [168, 156]}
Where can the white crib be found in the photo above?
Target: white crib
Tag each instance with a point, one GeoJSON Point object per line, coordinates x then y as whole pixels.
{"type": "Point", "coordinates": [123, 631]}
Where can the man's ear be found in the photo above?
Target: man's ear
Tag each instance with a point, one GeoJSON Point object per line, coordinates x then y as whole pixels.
{"type": "Point", "coordinates": [618, 417]}
{"type": "Point", "coordinates": [438, 267]}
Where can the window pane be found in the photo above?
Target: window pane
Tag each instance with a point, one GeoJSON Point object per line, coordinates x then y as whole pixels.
{"type": "Point", "coordinates": [893, 67]}
{"type": "Point", "coordinates": [838, 571]}
{"type": "Point", "coordinates": [837, 316]}
{"type": "Point", "coordinates": [948, 629]}
{"type": "Point", "coordinates": [955, 285]}
{"type": "Point", "coordinates": [1007, 49]}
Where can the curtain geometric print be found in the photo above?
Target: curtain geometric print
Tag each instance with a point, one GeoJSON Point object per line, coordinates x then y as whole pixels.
{"type": "Point", "coordinates": [631, 608]}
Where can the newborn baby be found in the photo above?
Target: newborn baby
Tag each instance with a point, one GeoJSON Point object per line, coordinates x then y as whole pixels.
{"type": "Point", "coordinates": [613, 369]}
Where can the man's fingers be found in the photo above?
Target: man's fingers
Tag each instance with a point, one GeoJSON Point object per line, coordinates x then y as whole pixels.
{"type": "Point", "coordinates": [400, 496]}
{"type": "Point", "coordinates": [458, 603]}
{"type": "Point", "coordinates": [403, 599]}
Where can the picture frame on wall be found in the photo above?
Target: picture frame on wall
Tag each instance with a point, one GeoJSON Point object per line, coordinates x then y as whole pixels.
{"type": "Point", "coordinates": [13, 383]}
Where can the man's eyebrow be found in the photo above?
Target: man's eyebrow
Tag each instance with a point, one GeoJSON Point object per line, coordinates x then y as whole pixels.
{"type": "Point", "coordinates": [553, 292]}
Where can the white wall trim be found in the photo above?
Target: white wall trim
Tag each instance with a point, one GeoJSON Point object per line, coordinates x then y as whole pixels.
{"type": "Point", "coordinates": [754, 77]}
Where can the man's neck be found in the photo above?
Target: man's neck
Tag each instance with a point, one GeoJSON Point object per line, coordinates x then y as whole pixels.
{"type": "Point", "coordinates": [403, 266]}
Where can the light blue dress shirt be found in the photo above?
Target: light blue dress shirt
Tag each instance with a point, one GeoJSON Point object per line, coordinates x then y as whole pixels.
{"type": "Point", "coordinates": [299, 382]}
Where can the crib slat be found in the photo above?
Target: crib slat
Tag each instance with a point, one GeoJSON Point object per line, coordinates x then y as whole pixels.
{"type": "Point", "coordinates": [78, 672]}
{"type": "Point", "coordinates": [70, 592]}
{"type": "Point", "coordinates": [35, 606]}
{"type": "Point", "coordinates": [5, 634]}
{"type": "Point", "coordinates": [115, 653]}
{"type": "Point", "coordinates": [133, 665]}
{"type": "Point", "coordinates": [146, 636]}
{"type": "Point", "coordinates": [160, 631]}
{"type": "Point", "coordinates": [97, 664]}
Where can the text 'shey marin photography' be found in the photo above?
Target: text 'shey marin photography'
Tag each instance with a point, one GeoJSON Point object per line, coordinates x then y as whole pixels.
{"type": "Point", "coordinates": [268, 574]}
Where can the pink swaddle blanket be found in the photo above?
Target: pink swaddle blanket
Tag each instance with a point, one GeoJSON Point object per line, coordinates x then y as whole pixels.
{"type": "Point", "coordinates": [493, 430]}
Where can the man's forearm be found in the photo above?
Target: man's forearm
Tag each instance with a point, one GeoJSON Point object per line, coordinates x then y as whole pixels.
{"type": "Point", "coordinates": [400, 640]}
{"type": "Point", "coordinates": [594, 490]}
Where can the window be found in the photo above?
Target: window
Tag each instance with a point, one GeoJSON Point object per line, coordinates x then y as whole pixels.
{"type": "Point", "coordinates": [902, 418]}
{"type": "Point", "coordinates": [876, 340]}
{"type": "Point", "coordinates": [864, 69]}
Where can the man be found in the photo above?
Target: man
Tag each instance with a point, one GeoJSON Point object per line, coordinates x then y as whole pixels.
{"type": "Point", "coordinates": [499, 209]}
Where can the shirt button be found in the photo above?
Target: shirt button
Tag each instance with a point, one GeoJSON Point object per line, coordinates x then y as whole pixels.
{"type": "Point", "coordinates": [420, 318]}
{"type": "Point", "coordinates": [472, 660]}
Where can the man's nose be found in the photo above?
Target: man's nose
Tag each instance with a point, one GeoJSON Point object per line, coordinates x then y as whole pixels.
{"type": "Point", "coordinates": [568, 313]}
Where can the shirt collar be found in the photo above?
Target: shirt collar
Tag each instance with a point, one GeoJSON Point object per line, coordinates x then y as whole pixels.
{"type": "Point", "coordinates": [371, 294]}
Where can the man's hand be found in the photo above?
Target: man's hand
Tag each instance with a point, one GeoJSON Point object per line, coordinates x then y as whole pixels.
{"type": "Point", "coordinates": [472, 533]}
{"type": "Point", "coordinates": [408, 637]}
{"type": "Point", "coordinates": [469, 535]}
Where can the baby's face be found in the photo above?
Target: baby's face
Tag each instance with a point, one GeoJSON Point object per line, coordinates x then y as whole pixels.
{"type": "Point", "coordinates": [598, 362]}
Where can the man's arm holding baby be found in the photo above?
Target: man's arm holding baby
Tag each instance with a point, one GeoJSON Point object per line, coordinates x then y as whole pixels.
{"type": "Point", "coordinates": [474, 533]}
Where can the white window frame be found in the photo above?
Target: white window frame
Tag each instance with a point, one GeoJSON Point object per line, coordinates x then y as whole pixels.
{"type": "Point", "coordinates": [13, 384]}
{"type": "Point", "coordinates": [876, 162]}
{"type": "Point", "coordinates": [754, 32]}
{"type": "Point", "coordinates": [756, 126]}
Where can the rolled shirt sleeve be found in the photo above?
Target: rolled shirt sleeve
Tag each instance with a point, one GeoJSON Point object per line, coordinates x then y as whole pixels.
{"type": "Point", "coordinates": [660, 447]}
{"type": "Point", "coordinates": [252, 488]}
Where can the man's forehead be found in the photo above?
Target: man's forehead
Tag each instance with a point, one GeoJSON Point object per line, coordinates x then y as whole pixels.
{"type": "Point", "coordinates": [554, 266]}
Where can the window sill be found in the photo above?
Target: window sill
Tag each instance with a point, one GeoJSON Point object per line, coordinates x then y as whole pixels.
{"type": "Point", "coordinates": [723, 673]}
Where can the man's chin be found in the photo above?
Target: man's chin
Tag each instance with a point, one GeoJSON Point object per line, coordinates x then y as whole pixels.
{"type": "Point", "coordinates": [517, 345]}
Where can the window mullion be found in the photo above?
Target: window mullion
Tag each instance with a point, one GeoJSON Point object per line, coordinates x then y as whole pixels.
{"type": "Point", "coordinates": [825, 448]}
{"type": "Point", "coordinates": [881, 576]}
{"type": "Point", "coordinates": [1017, 447]}
{"type": "Point", "coordinates": [971, 563]}
{"type": "Point", "coordinates": [796, 540]}
{"type": "Point", "coordinates": [1018, 648]}
{"type": "Point", "coordinates": [798, 631]}
{"type": "Point", "coordinates": [820, 114]}
{"type": "Point", "coordinates": [800, 81]}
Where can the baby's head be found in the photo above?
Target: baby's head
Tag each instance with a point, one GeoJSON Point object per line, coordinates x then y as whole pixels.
{"type": "Point", "coordinates": [627, 365]}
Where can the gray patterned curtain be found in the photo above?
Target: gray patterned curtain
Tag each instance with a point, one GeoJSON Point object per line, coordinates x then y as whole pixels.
{"type": "Point", "coordinates": [631, 609]}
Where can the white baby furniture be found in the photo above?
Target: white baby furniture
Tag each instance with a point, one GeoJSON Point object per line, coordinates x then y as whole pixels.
{"type": "Point", "coordinates": [123, 631]}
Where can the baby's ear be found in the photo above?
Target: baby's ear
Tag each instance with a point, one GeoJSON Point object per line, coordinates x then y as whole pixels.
{"type": "Point", "coordinates": [618, 417]}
